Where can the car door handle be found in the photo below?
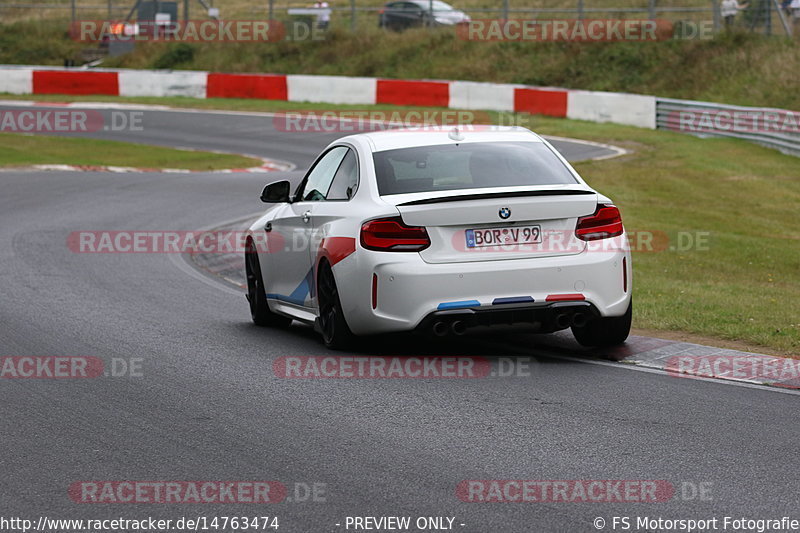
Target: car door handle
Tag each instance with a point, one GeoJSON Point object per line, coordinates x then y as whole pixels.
{"type": "Point", "coordinates": [268, 227]}
{"type": "Point", "coordinates": [306, 216]}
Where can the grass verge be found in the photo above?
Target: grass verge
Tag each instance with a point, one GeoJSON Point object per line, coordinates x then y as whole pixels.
{"type": "Point", "coordinates": [734, 67]}
{"type": "Point", "coordinates": [17, 150]}
{"type": "Point", "coordinates": [738, 283]}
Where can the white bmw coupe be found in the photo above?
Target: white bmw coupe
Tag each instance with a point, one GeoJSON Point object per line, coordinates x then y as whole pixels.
{"type": "Point", "coordinates": [440, 231]}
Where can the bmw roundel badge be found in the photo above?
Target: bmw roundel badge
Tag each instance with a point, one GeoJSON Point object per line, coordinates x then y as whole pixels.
{"type": "Point", "coordinates": [504, 212]}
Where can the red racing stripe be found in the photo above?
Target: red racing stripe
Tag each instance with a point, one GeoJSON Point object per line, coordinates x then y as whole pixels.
{"type": "Point", "coordinates": [264, 86]}
{"type": "Point", "coordinates": [541, 102]}
{"type": "Point", "coordinates": [71, 82]}
{"type": "Point", "coordinates": [336, 248]}
{"type": "Point", "coordinates": [422, 93]}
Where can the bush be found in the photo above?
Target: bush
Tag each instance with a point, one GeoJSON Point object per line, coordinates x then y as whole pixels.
{"type": "Point", "coordinates": [175, 55]}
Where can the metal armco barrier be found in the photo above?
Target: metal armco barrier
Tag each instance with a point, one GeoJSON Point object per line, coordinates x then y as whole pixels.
{"type": "Point", "coordinates": [773, 128]}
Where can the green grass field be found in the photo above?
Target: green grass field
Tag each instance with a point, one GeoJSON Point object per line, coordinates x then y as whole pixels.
{"type": "Point", "coordinates": [740, 199]}
{"type": "Point", "coordinates": [17, 150]}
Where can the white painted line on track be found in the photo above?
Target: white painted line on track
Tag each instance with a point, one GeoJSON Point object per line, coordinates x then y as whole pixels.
{"type": "Point", "coordinates": [648, 370]}
{"type": "Point", "coordinates": [618, 151]}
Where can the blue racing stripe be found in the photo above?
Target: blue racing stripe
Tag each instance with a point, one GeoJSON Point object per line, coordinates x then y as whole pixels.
{"type": "Point", "coordinates": [512, 300]}
{"type": "Point", "coordinates": [283, 298]}
{"type": "Point", "coordinates": [298, 295]}
{"type": "Point", "coordinates": [304, 289]}
{"type": "Point", "coordinates": [459, 305]}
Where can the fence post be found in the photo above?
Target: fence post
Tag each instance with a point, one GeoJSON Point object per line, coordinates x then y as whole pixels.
{"type": "Point", "coordinates": [271, 9]}
{"type": "Point", "coordinates": [715, 15]}
{"type": "Point", "coordinates": [785, 23]}
{"type": "Point", "coordinates": [72, 10]}
{"type": "Point", "coordinates": [505, 9]}
{"type": "Point", "coordinates": [580, 9]}
{"type": "Point", "coordinates": [768, 19]}
{"type": "Point", "coordinates": [651, 9]}
{"type": "Point", "coordinates": [353, 15]}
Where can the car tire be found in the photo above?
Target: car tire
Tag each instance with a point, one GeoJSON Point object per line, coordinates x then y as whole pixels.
{"type": "Point", "coordinates": [605, 331]}
{"type": "Point", "coordinates": [331, 323]}
{"type": "Point", "coordinates": [256, 293]}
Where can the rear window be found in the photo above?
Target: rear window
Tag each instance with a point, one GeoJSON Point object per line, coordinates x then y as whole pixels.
{"type": "Point", "coordinates": [450, 167]}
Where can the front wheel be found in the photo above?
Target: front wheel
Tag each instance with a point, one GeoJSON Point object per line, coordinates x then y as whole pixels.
{"type": "Point", "coordinates": [335, 333]}
{"type": "Point", "coordinates": [256, 295]}
{"type": "Point", "coordinates": [605, 331]}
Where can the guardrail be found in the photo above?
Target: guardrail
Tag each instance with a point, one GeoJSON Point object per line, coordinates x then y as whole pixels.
{"type": "Point", "coordinates": [774, 128]}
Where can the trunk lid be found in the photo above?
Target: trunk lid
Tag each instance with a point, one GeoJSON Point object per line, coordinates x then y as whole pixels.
{"type": "Point", "coordinates": [513, 223]}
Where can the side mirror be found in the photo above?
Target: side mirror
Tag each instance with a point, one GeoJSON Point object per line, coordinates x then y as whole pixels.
{"type": "Point", "coordinates": [276, 192]}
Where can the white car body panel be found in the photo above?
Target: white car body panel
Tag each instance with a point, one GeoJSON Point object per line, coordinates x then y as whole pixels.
{"type": "Point", "coordinates": [413, 285]}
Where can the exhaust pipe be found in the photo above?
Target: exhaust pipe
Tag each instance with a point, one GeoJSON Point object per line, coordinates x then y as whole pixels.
{"type": "Point", "coordinates": [458, 327]}
{"type": "Point", "coordinates": [440, 328]}
{"type": "Point", "coordinates": [579, 320]}
{"type": "Point", "coordinates": [562, 320]}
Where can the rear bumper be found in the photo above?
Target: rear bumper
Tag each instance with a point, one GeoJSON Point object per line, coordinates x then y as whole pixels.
{"type": "Point", "coordinates": [410, 291]}
{"type": "Point", "coordinates": [543, 317]}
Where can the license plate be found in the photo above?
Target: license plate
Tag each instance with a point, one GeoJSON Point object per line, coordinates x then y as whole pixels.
{"type": "Point", "coordinates": [511, 235]}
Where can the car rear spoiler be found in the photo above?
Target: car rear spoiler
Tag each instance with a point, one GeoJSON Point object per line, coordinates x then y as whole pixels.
{"type": "Point", "coordinates": [488, 195]}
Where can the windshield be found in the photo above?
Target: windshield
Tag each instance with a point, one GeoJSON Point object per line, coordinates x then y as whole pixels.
{"type": "Point", "coordinates": [449, 167]}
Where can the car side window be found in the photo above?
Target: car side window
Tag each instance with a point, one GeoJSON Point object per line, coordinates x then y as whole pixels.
{"type": "Point", "coordinates": [345, 182]}
{"type": "Point", "coordinates": [321, 176]}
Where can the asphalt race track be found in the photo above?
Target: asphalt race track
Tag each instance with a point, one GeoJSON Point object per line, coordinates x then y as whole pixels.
{"type": "Point", "coordinates": [258, 134]}
{"type": "Point", "coordinates": [206, 404]}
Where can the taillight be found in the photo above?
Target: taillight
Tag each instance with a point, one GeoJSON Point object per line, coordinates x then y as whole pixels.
{"type": "Point", "coordinates": [604, 223]}
{"type": "Point", "coordinates": [392, 235]}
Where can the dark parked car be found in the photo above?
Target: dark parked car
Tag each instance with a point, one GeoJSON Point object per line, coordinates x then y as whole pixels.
{"type": "Point", "coordinates": [406, 14]}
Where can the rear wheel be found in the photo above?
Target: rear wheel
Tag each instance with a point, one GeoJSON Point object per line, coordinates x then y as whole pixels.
{"type": "Point", "coordinates": [256, 295]}
{"type": "Point", "coordinates": [605, 331]}
{"type": "Point", "coordinates": [335, 332]}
